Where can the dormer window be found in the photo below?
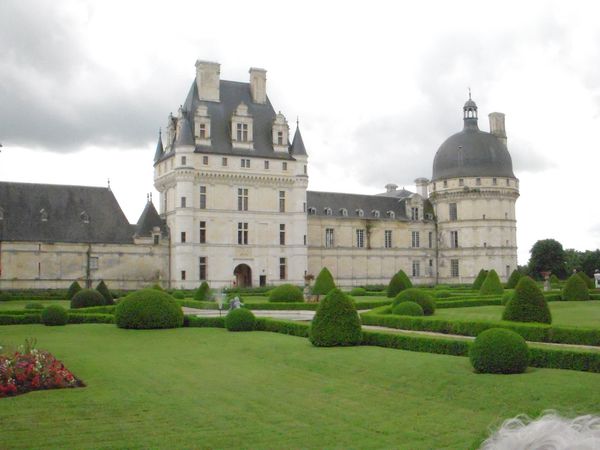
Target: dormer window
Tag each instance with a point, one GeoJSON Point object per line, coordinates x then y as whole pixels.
{"type": "Point", "coordinates": [202, 131]}
{"type": "Point", "coordinates": [202, 125]}
{"type": "Point", "coordinates": [391, 214]}
{"type": "Point", "coordinates": [281, 131]}
{"type": "Point", "coordinates": [85, 217]}
{"type": "Point", "coordinates": [328, 211]}
{"type": "Point", "coordinates": [1, 214]}
{"type": "Point", "coordinates": [360, 212]}
{"type": "Point", "coordinates": [241, 127]}
{"type": "Point", "coordinates": [43, 215]}
{"type": "Point", "coordinates": [375, 213]}
{"type": "Point", "coordinates": [344, 212]}
{"type": "Point", "coordinates": [280, 138]}
{"type": "Point", "coordinates": [242, 132]}
{"type": "Point", "coordinates": [312, 210]}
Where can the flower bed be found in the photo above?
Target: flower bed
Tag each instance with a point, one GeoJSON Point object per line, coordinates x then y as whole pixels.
{"type": "Point", "coordinates": [33, 370]}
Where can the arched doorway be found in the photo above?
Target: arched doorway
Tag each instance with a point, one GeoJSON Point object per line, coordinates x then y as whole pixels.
{"type": "Point", "coordinates": [243, 275]}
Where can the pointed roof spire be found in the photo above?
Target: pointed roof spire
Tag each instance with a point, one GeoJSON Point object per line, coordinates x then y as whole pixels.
{"type": "Point", "coordinates": [149, 219]}
{"type": "Point", "coordinates": [184, 131]}
{"type": "Point", "coordinates": [297, 148]}
{"type": "Point", "coordinates": [159, 147]}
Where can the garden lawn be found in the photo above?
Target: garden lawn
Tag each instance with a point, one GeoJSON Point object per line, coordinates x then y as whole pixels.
{"type": "Point", "coordinates": [209, 388]}
{"type": "Point", "coordinates": [577, 314]}
{"type": "Point", "coordinates": [20, 304]}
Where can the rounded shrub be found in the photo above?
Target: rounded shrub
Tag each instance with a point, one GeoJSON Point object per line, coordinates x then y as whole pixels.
{"type": "Point", "coordinates": [418, 296]}
{"type": "Point", "coordinates": [34, 306]}
{"type": "Point", "coordinates": [54, 315]}
{"type": "Point", "coordinates": [324, 282]}
{"type": "Point", "coordinates": [575, 289]}
{"type": "Point", "coordinates": [514, 278]}
{"type": "Point", "coordinates": [442, 294]}
{"type": "Point", "coordinates": [492, 284]}
{"type": "Point", "coordinates": [588, 281]}
{"type": "Point", "coordinates": [74, 288]}
{"type": "Point", "coordinates": [286, 293]}
{"type": "Point", "coordinates": [202, 294]}
{"type": "Point", "coordinates": [179, 295]}
{"type": "Point", "coordinates": [336, 322]}
{"type": "Point", "coordinates": [480, 279]}
{"type": "Point", "coordinates": [157, 286]}
{"type": "Point", "coordinates": [398, 283]}
{"type": "Point", "coordinates": [103, 289]}
{"type": "Point", "coordinates": [148, 309]}
{"type": "Point", "coordinates": [358, 291]}
{"type": "Point", "coordinates": [87, 297]}
{"type": "Point", "coordinates": [408, 309]}
{"type": "Point", "coordinates": [498, 350]}
{"type": "Point", "coordinates": [527, 304]}
{"type": "Point", "coordinates": [240, 319]}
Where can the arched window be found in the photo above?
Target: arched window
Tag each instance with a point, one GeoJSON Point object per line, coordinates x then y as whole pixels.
{"type": "Point", "coordinates": [344, 212]}
{"type": "Point", "coordinates": [360, 212]}
{"type": "Point", "coordinates": [328, 211]}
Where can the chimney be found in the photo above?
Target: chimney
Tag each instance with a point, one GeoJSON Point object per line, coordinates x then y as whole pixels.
{"type": "Point", "coordinates": [421, 184]}
{"type": "Point", "coordinates": [391, 187]}
{"type": "Point", "coordinates": [207, 80]}
{"type": "Point", "coordinates": [258, 85]}
{"type": "Point", "coordinates": [497, 127]}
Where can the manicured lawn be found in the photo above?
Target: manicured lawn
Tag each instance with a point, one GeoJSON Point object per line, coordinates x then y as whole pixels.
{"type": "Point", "coordinates": [583, 314]}
{"type": "Point", "coordinates": [20, 304]}
{"type": "Point", "coordinates": [209, 388]}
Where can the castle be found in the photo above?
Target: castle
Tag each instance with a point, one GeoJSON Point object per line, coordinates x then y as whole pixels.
{"type": "Point", "coordinates": [234, 209]}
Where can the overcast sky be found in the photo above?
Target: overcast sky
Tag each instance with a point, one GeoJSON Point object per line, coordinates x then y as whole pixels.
{"type": "Point", "coordinates": [378, 86]}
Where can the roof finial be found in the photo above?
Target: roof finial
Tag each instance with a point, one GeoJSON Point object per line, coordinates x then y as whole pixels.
{"type": "Point", "coordinates": [160, 132]}
{"type": "Point", "coordinates": [297, 121]}
{"type": "Point", "coordinates": [147, 197]}
{"type": "Point", "coordinates": [108, 184]}
{"type": "Point", "coordinates": [150, 197]}
{"type": "Point", "coordinates": [469, 92]}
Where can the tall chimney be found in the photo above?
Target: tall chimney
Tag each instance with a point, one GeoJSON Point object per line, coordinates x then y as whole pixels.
{"type": "Point", "coordinates": [497, 127]}
{"type": "Point", "coordinates": [258, 85]}
{"type": "Point", "coordinates": [207, 80]}
{"type": "Point", "coordinates": [421, 184]}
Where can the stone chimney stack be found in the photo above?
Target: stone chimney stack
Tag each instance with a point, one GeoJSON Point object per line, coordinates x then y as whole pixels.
{"type": "Point", "coordinates": [258, 85]}
{"type": "Point", "coordinates": [421, 184]}
{"type": "Point", "coordinates": [207, 80]}
{"type": "Point", "coordinates": [391, 187]}
{"type": "Point", "coordinates": [497, 127]}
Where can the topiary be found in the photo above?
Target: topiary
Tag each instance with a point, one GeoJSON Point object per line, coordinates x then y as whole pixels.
{"type": "Point", "coordinates": [103, 289]}
{"type": "Point", "coordinates": [492, 284]}
{"type": "Point", "coordinates": [575, 289]}
{"type": "Point", "coordinates": [408, 309]}
{"type": "Point", "coordinates": [399, 282]}
{"type": "Point", "coordinates": [514, 278]}
{"type": "Point", "coordinates": [498, 350]}
{"type": "Point", "coordinates": [588, 281]}
{"type": "Point", "coordinates": [202, 294]}
{"type": "Point", "coordinates": [418, 296]}
{"type": "Point", "coordinates": [336, 322]}
{"type": "Point", "coordinates": [179, 295]}
{"type": "Point", "coordinates": [34, 306]}
{"type": "Point", "coordinates": [554, 281]}
{"type": "Point", "coordinates": [480, 279]}
{"type": "Point", "coordinates": [54, 315]}
{"type": "Point", "coordinates": [442, 294]}
{"type": "Point", "coordinates": [87, 297]}
{"type": "Point", "coordinates": [240, 319]}
{"type": "Point", "coordinates": [324, 282]}
{"type": "Point", "coordinates": [148, 309]}
{"type": "Point", "coordinates": [507, 296]}
{"type": "Point", "coordinates": [527, 304]}
{"type": "Point", "coordinates": [358, 291]}
{"type": "Point", "coordinates": [74, 288]}
{"type": "Point", "coordinates": [157, 287]}
{"type": "Point", "coordinates": [286, 293]}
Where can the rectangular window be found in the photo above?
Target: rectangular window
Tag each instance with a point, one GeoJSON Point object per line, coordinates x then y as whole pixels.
{"type": "Point", "coordinates": [360, 238]}
{"type": "Point", "coordinates": [224, 162]}
{"type": "Point", "coordinates": [416, 269]}
{"type": "Point", "coordinates": [430, 239]}
{"type": "Point", "coordinates": [281, 201]}
{"type": "Point", "coordinates": [202, 232]}
{"type": "Point", "coordinates": [205, 160]}
{"type": "Point", "coordinates": [387, 240]}
{"type": "Point", "coordinates": [183, 202]}
{"type": "Point", "coordinates": [453, 212]}
{"type": "Point", "coordinates": [183, 160]}
{"type": "Point", "coordinates": [282, 269]}
{"type": "Point", "coordinates": [478, 181]}
{"type": "Point", "coordinates": [281, 234]}
{"type": "Point", "coordinates": [202, 273]}
{"type": "Point", "coordinates": [183, 275]}
{"type": "Point", "coordinates": [93, 262]}
{"type": "Point", "coordinates": [242, 132]}
{"type": "Point", "coordinates": [280, 138]}
{"type": "Point", "coordinates": [329, 238]}
{"type": "Point", "coordinates": [304, 239]}
{"type": "Point", "coordinates": [461, 182]}
{"type": "Point", "coordinates": [414, 213]}
{"type": "Point", "coordinates": [242, 199]}
{"type": "Point", "coordinates": [245, 163]}
{"type": "Point", "coordinates": [284, 166]}
{"type": "Point", "coordinates": [243, 233]}
{"type": "Point", "coordinates": [507, 182]}
{"type": "Point", "coordinates": [454, 268]}
{"type": "Point", "coordinates": [445, 183]}
{"type": "Point", "coordinates": [304, 207]}
{"type": "Point", "coordinates": [156, 239]}
{"type": "Point", "coordinates": [454, 239]}
{"type": "Point", "coordinates": [202, 132]}
{"type": "Point", "coordinates": [494, 181]}
{"type": "Point", "coordinates": [415, 239]}
{"type": "Point", "coordinates": [202, 197]}
{"type": "Point", "coordinates": [183, 237]}
{"type": "Point", "coordinates": [266, 165]}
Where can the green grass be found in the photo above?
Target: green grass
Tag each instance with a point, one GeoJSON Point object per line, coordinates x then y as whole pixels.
{"type": "Point", "coordinates": [20, 304]}
{"type": "Point", "coordinates": [583, 314]}
{"type": "Point", "coordinates": [210, 388]}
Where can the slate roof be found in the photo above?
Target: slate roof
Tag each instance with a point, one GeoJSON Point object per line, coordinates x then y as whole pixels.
{"type": "Point", "coordinates": [351, 202]}
{"type": "Point", "coordinates": [21, 205]}
{"type": "Point", "coordinates": [298, 148]}
{"type": "Point", "coordinates": [148, 220]}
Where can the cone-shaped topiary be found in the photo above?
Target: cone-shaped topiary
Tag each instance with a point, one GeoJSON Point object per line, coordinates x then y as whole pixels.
{"type": "Point", "coordinates": [498, 350]}
{"type": "Point", "coordinates": [148, 309]}
{"type": "Point", "coordinates": [74, 288]}
{"type": "Point", "coordinates": [203, 292]}
{"type": "Point", "coordinates": [575, 289]}
{"type": "Point", "coordinates": [54, 315]}
{"type": "Point", "coordinates": [527, 304]}
{"type": "Point", "coordinates": [103, 289]}
{"type": "Point", "coordinates": [336, 322]}
{"type": "Point", "coordinates": [554, 281]}
{"type": "Point", "coordinates": [398, 283]}
{"type": "Point", "coordinates": [480, 279]}
{"type": "Point", "coordinates": [240, 319]}
{"type": "Point", "coordinates": [507, 296]}
{"type": "Point", "coordinates": [87, 297]}
{"type": "Point", "coordinates": [588, 281]}
{"type": "Point", "coordinates": [418, 296]}
{"type": "Point", "coordinates": [514, 278]}
{"type": "Point", "coordinates": [286, 293]}
{"type": "Point", "coordinates": [408, 309]}
{"type": "Point", "coordinates": [324, 282]}
{"type": "Point", "coordinates": [492, 284]}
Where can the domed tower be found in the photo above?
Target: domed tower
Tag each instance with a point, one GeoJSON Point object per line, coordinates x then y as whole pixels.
{"type": "Point", "coordinates": [473, 191]}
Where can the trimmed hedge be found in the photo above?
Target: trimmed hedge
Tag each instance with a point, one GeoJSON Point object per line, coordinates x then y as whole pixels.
{"type": "Point", "coordinates": [575, 289]}
{"type": "Point", "coordinates": [492, 284]}
{"type": "Point", "coordinates": [25, 319]}
{"type": "Point", "coordinates": [398, 283]}
{"type": "Point", "coordinates": [34, 306]}
{"type": "Point", "coordinates": [203, 292]}
{"type": "Point", "coordinates": [108, 309]}
{"type": "Point", "coordinates": [442, 294]}
{"type": "Point", "coordinates": [358, 292]}
{"type": "Point", "coordinates": [480, 279]}
{"type": "Point", "coordinates": [408, 309]}
{"type": "Point", "coordinates": [240, 319]}
{"type": "Point", "coordinates": [286, 293]}
{"type": "Point", "coordinates": [514, 278]}
{"type": "Point", "coordinates": [527, 304]}
{"type": "Point", "coordinates": [507, 296]}
{"type": "Point", "coordinates": [179, 295]}
{"type": "Point", "coordinates": [54, 315]}
{"type": "Point", "coordinates": [324, 282]}
{"type": "Point", "coordinates": [282, 326]}
{"type": "Point", "coordinates": [103, 289]}
{"type": "Point", "coordinates": [148, 309]}
{"type": "Point", "coordinates": [467, 303]}
{"type": "Point", "coordinates": [415, 343]}
{"type": "Point", "coordinates": [74, 288]}
{"type": "Point", "coordinates": [336, 322]}
{"type": "Point", "coordinates": [87, 297]}
{"type": "Point", "coordinates": [498, 350]}
{"type": "Point", "coordinates": [75, 318]}
{"type": "Point", "coordinates": [204, 322]}
{"type": "Point", "coordinates": [418, 296]}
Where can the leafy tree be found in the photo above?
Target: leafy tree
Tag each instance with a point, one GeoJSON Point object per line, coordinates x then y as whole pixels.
{"type": "Point", "coordinates": [573, 260]}
{"type": "Point", "coordinates": [590, 261]}
{"type": "Point", "coordinates": [547, 255]}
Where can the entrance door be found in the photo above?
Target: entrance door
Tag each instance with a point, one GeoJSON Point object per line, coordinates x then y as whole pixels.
{"type": "Point", "coordinates": [243, 275]}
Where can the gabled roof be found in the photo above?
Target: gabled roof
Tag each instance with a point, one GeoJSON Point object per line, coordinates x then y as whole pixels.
{"type": "Point", "coordinates": [149, 219]}
{"type": "Point", "coordinates": [352, 202]}
{"type": "Point", "coordinates": [67, 209]}
{"type": "Point", "coordinates": [298, 148]}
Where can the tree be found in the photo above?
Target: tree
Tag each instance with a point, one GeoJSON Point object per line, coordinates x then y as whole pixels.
{"type": "Point", "coordinates": [547, 255]}
{"type": "Point", "coordinates": [590, 261]}
{"type": "Point", "coordinates": [573, 259]}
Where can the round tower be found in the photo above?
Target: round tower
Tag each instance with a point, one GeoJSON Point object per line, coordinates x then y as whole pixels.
{"type": "Point", "coordinates": [473, 191]}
